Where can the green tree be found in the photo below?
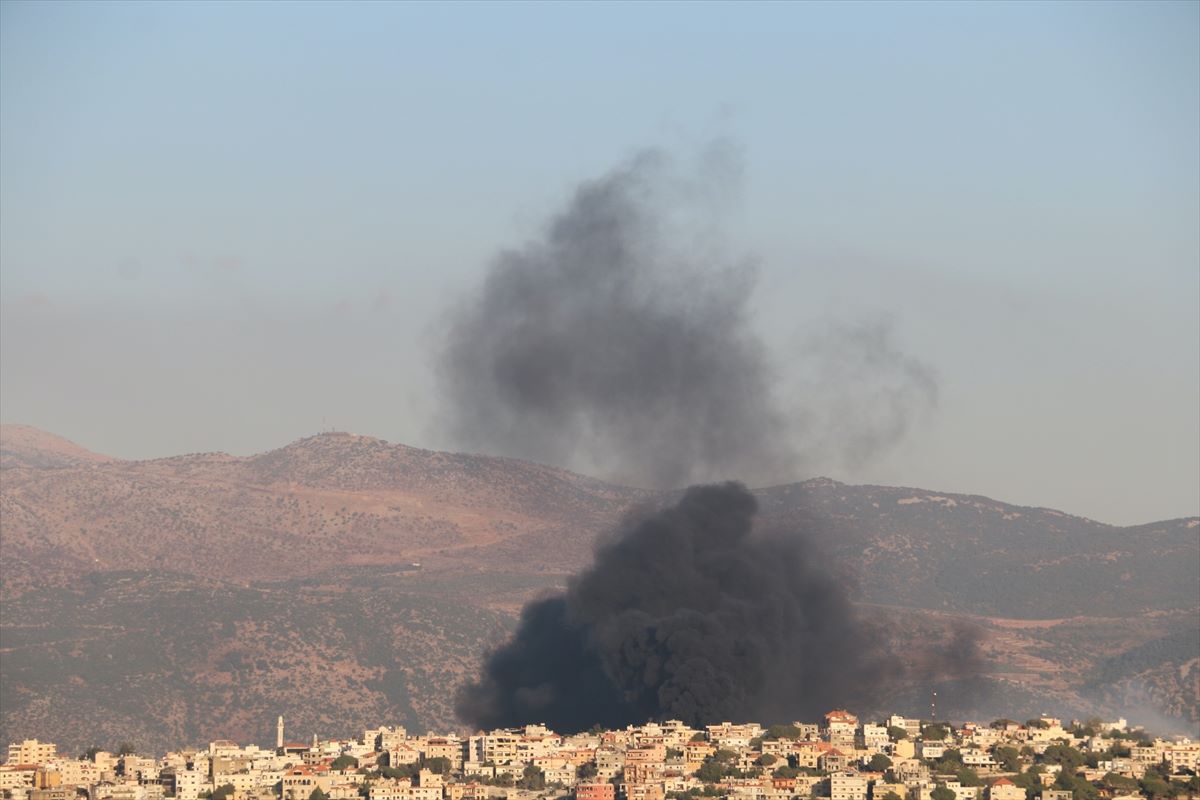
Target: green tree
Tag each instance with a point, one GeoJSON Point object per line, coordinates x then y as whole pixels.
{"type": "Point", "coordinates": [223, 792]}
{"type": "Point", "coordinates": [935, 731]}
{"type": "Point", "coordinates": [698, 737]}
{"type": "Point", "coordinates": [1080, 788]}
{"type": "Point", "coordinates": [940, 792]}
{"type": "Point", "coordinates": [879, 763]}
{"type": "Point", "coordinates": [724, 756]}
{"type": "Point", "coordinates": [786, 771]}
{"type": "Point", "coordinates": [587, 770]}
{"type": "Point", "coordinates": [896, 733]}
{"type": "Point", "coordinates": [673, 752]}
{"type": "Point", "coordinates": [532, 778]}
{"type": "Point", "coordinates": [438, 764]}
{"type": "Point", "coordinates": [1008, 758]}
{"type": "Point", "coordinates": [1154, 786]}
{"type": "Point", "coordinates": [317, 794]}
{"type": "Point", "coordinates": [1119, 783]}
{"type": "Point", "coordinates": [782, 732]}
{"type": "Point", "coordinates": [766, 760]}
{"type": "Point", "coordinates": [126, 749]}
{"type": "Point", "coordinates": [950, 762]}
{"type": "Point", "coordinates": [969, 777]}
{"type": "Point", "coordinates": [710, 771]}
{"type": "Point", "coordinates": [344, 761]}
{"type": "Point", "coordinates": [90, 753]}
{"type": "Point", "coordinates": [1070, 758]}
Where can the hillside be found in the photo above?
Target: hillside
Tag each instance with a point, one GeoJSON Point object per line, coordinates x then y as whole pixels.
{"type": "Point", "coordinates": [26, 446]}
{"type": "Point", "coordinates": [341, 578]}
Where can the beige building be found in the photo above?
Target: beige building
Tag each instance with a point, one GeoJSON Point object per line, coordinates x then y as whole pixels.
{"type": "Point", "coordinates": [31, 751]}
{"type": "Point", "coordinates": [847, 786]}
{"type": "Point", "coordinates": [1004, 789]}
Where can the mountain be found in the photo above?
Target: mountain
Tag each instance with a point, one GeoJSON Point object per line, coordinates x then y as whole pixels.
{"type": "Point", "coordinates": [26, 446]}
{"type": "Point", "coordinates": [342, 580]}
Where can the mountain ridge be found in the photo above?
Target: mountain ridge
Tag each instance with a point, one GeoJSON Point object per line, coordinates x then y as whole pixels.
{"type": "Point", "coordinates": [345, 577]}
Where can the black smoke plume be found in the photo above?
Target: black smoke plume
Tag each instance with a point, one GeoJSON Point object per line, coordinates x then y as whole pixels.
{"type": "Point", "coordinates": [687, 614]}
{"type": "Point", "coordinates": [620, 342]}
{"type": "Point", "coordinates": [609, 347]}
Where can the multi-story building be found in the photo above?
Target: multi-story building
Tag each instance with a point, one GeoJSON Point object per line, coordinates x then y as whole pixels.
{"type": "Point", "coordinates": [595, 791]}
{"type": "Point", "coordinates": [31, 751]}
{"type": "Point", "coordinates": [847, 786]}
{"type": "Point", "coordinates": [840, 727]}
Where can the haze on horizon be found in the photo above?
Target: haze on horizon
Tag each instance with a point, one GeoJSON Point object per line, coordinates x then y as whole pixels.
{"type": "Point", "coordinates": [228, 226]}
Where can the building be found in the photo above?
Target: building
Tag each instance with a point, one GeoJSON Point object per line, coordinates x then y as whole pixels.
{"type": "Point", "coordinates": [595, 791]}
{"type": "Point", "coordinates": [840, 727]}
{"type": "Point", "coordinates": [31, 751]}
{"type": "Point", "coordinates": [1004, 789]}
{"type": "Point", "coordinates": [847, 786]}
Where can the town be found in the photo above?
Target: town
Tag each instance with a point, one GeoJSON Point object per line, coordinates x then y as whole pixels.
{"type": "Point", "coordinates": [840, 758]}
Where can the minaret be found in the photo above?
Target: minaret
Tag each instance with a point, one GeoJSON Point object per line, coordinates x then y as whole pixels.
{"type": "Point", "coordinates": [279, 733]}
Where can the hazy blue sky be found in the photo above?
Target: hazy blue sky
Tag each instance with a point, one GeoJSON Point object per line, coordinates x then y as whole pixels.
{"type": "Point", "coordinates": [224, 226]}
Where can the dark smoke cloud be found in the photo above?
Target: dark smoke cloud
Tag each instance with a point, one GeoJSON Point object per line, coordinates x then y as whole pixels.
{"type": "Point", "coordinates": [606, 347]}
{"type": "Point", "coordinates": [619, 342]}
{"type": "Point", "coordinates": [690, 614]}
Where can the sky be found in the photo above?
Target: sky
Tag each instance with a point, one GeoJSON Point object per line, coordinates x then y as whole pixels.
{"type": "Point", "coordinates": [226, 226]}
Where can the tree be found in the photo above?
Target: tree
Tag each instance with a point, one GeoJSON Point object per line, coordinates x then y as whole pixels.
{"type": "Point", "coordinates": [879, 763]}
{"type": "Point", "coordinates": [935, 731]}
{"type": "Point", "coordinates": [1154, 786]}
{"type": "Point", "coordinates": [1080, 788]}
{"type": "Point", "coordinates": [785, 771]}
{"type": "Point", "coordinates": [896, 733]}
{"type": "Point", "coordinates": [532, 778]}
{"type": "Point", "coordinates": [698, 737]}
{"type": "Point", "coordinates": [1119, 783]}
{"type": "Point", "coordinates": [587, 770]}
{"type": "Point", "coordinates": [438, 764]}
{"type": "Point", "coordinates": [673, 752]}
{"type": "Point", "coordinates": [969, 777]}
{"type": "Point", "coordinates": [940, 792]}
{"type": "Point", "coordinates": [782, 732]}
{"type": "Point", "coordinates": [950, 762]}
{"type": "Point", "coordinates": [724, 756]}
{"type": "Point", "coordinates": [1070, 758]}
{"type": "Point", "coordinates": [1008, 758]}
{"type": "Point", "coordinates": [223, 792]}
{"type": "Point", "coordinates": [710, 771]}
{"type": "Point", "coordinates": [126, 749]}
{"type": "Point", "coordinates": [317, 794]}
{"type": "Point", "coordinates": [766, 759]}
{"type": "Point", "coordinates": [344, 761]}
{"type": "Point", "coordinates": [90, 753]}
{"type": "Point", "coordinates": [892, 796]}
{"type": "Point", "coordinates": [1002, 723]}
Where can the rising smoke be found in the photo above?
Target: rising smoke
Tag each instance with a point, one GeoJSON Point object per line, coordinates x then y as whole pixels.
{"type": "Point", "coordinates": [609, 347]}
{"type": "Point", "coordinates": [686, 615]}
{"type": "Point", "coordinates": [619, 342]}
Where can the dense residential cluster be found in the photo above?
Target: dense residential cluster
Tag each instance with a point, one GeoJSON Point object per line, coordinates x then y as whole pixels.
{"type": "Point", "coordinates": [840, 759]}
